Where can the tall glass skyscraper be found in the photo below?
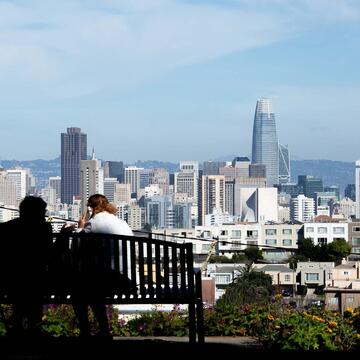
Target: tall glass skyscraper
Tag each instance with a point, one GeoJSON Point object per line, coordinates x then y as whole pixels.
{"type": "Point", "coordinates": [73, 150]}
{"type": "Point", "coordinates": [265, 147]}
{"type": "Point", "coordinates": [284, 164]}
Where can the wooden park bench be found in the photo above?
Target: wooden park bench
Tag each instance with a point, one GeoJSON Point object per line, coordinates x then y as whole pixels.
{"type": "Point", "coordinates": [115, 269]}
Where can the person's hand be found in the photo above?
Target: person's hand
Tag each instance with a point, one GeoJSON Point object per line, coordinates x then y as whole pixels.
{"type": "Point", "coordinates": [82, 222]}
{"type": "Point", "coordinates": [67, 228]}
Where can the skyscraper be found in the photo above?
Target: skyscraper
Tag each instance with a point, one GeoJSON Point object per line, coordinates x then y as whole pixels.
{"type": "Point", "coordinates": [265, 147]}
{"type": "Point", "coordinates": [284, 164]}
{"type": "Point", "coordinates": [73, 150]}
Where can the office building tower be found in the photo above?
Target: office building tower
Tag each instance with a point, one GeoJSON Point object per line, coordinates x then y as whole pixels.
{"type": "Point", "coordinates": [132, 177]}
{"type": "Point", "coordinates": [109, 187]}
{"type": "Point", "coordinates": [73, 150]}
{"type": "Point", "coordinates": [350, 191]}
{"type": "Point", "coordinates": [310, 185]}
{"type": "Point", "coordinates": [19, 177]}
{"type": "Point", "coordinates": [114, 169]}
{"type": "Point", "coordinates": [122, 194]}
{"type": "Point", "coordinates": [144, 175]}
{"type": "Point", "coordinates": [357, 188]}
{"type": "Point", "coordinates": [229, 196]}
{"type": "Point", "coordinates": [189, 166]}
{"type": "Point", "coordinates": [55, 183]}
{"type": "Point", "coordinates": [265, 147]}
{"type": "Point", "coordinates": [92, 179]}
{"type": "Point", "coordinates": [291, 189]}
{"type": "Point", "coordinates": [257, 171]}
{"type": "Point", "coordinates": [8, 193]}
{"type": "Point", "coordinates": [136, 217]}
{"type": "Point", "coordinates": [334, 189]}
{"type": "Point", "coordinates": [241, 164]}
{"type": "Point", "coordinates": [160, 176]}
{"type": "Point", "coordinates": [284, 164]}
{"type": "Point", "coordinates": [212, 167]}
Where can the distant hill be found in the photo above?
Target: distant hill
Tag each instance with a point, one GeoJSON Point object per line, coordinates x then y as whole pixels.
{"type": "Point", "coordinates": [332, 172]}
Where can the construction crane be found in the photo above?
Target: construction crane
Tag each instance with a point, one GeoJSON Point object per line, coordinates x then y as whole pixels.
{"type": "Point", "coordinates": [210, 253]}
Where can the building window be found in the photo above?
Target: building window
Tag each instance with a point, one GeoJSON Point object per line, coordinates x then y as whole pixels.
{"type": "Point", "coordinates": [223, 232]}
{"type": "Point", "coordinates": [350, 299]}
{"type": "Point", "coordinates": [322, 241]}
{"type": "Point", "coordinates": [312, 276]}
{"type": "Point", "coordinates": [309, 229]}
{"type": "Point", "coordinates": [222, 279]}
{"type": "Point", "coordinates": [322, 230]}
{"type": "Point", "coordinates": [205, 247]}
{"type": "Point", "coordinates": [356, 228]}
{"type": "Point", "coordinates": [339, 230]}
{"type": "Point", "coordinates": [270, 231]}
{"type": "Point", "coordinates": [287, 242]}
{"type": "Point", "coordinates": [287, 231]}
{"type": "Point", "coordinates": [287, 277]}
{"type": "Point", "coordinates": [252, 234]}
{"type": "Point", "coordinates": [235, 234]}
{"type": "Point", "coordinates": [333, 301]}
{"type": "Point", "coordinates": [355, 241]}
{"type": "Point", "coordinates": [346, 273]}
{"type": "Point", "coordinates": [270, 242]}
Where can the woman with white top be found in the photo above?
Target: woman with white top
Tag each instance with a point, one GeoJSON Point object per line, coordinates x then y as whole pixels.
{"type": "Point", "coordinates": [102, 220]}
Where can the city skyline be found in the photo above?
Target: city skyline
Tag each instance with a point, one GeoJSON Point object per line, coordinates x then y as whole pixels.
{"type": "Point", "coordinates": [173, 80]}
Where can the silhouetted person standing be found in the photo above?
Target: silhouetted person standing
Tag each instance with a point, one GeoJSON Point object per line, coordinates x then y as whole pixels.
{"type": "Point", "coordinates": [26, 251]}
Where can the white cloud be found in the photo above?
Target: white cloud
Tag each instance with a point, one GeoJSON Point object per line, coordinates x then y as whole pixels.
{"type": "Point", "coordinates": [78, 47]}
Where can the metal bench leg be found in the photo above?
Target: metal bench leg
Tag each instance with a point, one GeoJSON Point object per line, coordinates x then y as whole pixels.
{"type": "Point", "coordinates": [200, 321]}
{"type": "Point", "coordinates": [192, 323]}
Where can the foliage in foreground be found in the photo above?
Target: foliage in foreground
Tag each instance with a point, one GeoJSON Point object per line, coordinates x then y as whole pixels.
{"type": "Point", "coordinates": [276, 325]}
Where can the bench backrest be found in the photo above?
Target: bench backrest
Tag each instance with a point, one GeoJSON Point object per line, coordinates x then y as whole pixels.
{"type": "Point", "coordinates": [154, 269]}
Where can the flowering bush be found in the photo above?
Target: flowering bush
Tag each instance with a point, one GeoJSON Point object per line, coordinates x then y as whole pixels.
{"type": "Point", "coordinates": [276, 325]}
{"type": "Point", "coordinates": [159, 323]}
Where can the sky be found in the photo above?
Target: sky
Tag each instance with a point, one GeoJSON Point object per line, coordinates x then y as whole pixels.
{"type": "Point", "coordinates": [178, 80]}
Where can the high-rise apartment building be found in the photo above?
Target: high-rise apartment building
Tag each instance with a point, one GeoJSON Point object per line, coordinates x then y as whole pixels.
{"type": "Point", "coordinates": [213, 194]}
{"type": "Point", "coordinates": [357, 188]}
{"type": "Point", "coordinates": [302, 208]}
{"type": "Point", "coordinates": [265, 146]}
{"type": "Point", "coordinates": [73, 150]}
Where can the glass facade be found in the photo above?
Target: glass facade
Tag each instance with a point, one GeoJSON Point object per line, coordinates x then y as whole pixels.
{"type": "Point", "coordinates": [265, 147]}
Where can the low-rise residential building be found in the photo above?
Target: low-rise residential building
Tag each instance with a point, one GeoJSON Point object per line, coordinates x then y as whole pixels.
{"type": "Point", "coordinates": [354, 238]}
{"type": "Point", "coordinates": [314, 274]}
{"type": "Point", "coordinates": [325, 232]}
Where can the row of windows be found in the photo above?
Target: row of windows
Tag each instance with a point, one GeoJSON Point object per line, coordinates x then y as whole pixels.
{"type": "Point", "coordinates": [236, 234]}
{"type": "Point", "coordinates": [324, 230]}
{"type": "Point", "coordinates": [285, 242]}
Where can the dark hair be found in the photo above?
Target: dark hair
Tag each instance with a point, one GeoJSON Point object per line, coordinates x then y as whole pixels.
{"type": "Point", "coordinates": [100, 203]}
{"type": "Point", "coordinates": [32, 207]}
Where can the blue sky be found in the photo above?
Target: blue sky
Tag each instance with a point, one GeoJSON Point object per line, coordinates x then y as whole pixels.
{"type": "Point", "coordinates": [174, 80]}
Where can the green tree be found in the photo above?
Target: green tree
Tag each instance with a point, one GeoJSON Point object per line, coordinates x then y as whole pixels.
{"type": "Point", "coordinates": [253, 253]}
{"type": "Point", "coordinates": [248, 288]}
{"type": "Point", "coordinates": [338, 250]}
{"type": "Point", "coordinates": [306, 249]}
